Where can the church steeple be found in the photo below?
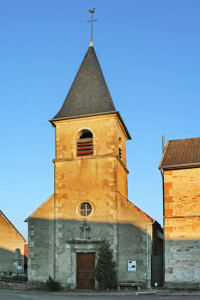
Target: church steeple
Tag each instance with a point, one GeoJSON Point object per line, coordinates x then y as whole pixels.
{"type": "Point", "coordinates": [89, 94]}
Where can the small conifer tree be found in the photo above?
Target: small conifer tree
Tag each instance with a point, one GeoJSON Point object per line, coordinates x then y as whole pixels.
{"type": "Point", "coordinates": [53, 285]}
{"type": "Point", "coordinates": [106, 273]}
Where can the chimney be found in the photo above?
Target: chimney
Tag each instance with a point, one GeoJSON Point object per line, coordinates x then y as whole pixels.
{"type": "Point", "coordinates": [163, 143]}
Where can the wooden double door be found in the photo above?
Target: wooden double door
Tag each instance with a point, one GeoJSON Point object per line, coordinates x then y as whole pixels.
{"type": "Point", "coordinates": [85, 274]}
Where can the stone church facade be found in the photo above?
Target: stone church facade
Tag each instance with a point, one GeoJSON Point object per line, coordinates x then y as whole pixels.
{"type": "Point", "coordinates": [180, 168]}
{"type": "Point", "coordinates": [90, 201]}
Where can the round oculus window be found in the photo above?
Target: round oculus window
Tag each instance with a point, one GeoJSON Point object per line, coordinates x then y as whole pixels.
{"type": "Point", "coordinates": [85, 209]}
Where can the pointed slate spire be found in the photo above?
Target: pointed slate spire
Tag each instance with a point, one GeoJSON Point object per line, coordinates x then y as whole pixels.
{"type": "Point", "coordinates": [89, 94]}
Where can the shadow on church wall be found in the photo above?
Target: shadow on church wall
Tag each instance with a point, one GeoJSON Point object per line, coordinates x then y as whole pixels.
{"type": "Point", "coordinates": [72, 236]}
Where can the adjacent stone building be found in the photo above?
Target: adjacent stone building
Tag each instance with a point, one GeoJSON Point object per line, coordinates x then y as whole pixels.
{"type": "Point", "coordinates": [10, 240]}
{"type": "Point", "coordinates": [180, 167]}
{"type": "Point", "coordinates": [90, 202]}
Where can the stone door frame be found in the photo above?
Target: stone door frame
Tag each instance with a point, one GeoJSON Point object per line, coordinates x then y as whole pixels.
{"type": "Point", "coordinates": [81, 246]}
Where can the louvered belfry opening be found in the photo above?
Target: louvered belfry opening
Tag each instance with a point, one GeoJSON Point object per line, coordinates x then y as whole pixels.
{"type": "Point", "coordinates": [120, 153]}
{"type": "Point", "coordinates": [120, 147]}
{"type": "Point", "coordinates": [85, 143]}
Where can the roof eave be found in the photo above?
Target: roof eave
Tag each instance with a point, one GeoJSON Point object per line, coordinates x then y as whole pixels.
{"type": "Point", "coordinates": [10, 223]}
{"type": "Point", "coordinates": [95, 114]}
{"type": "Point", "coordinates": [82, 116]}
{"type": "Point", "coordinates": [125, 128]}
{"type": "Point", "coordinates": [180, 166]}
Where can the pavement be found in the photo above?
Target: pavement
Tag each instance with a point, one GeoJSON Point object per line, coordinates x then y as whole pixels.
{"type": "Point", "coordinates": [170, 292]}
{"type": "Point", "coordinates": [151, 292]}
{"type": "Point", "coordinates": [159, 292]}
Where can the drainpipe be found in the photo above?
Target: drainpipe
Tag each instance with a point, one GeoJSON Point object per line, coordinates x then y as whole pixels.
{"type": "Point", "coordinates": [54, 219]}
{"type": "Point", "coordinates": [147, 252]}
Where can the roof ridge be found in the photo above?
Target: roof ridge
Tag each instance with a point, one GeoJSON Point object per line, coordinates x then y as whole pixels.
{"type": "Point", "coordinates": [195, 138]}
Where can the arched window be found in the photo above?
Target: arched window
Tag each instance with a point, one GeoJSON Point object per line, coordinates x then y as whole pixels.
{"type": "Point", "coordinates": [85, 143]}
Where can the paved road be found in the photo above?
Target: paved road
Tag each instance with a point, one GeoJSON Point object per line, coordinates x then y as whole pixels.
{"type": "Point", "coordinates": [12, 295]}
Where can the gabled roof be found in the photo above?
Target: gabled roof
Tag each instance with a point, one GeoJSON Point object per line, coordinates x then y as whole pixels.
{"type": "Point", "coordinates": [183, 153]}
{"type": "Point", "coordinates": [8, 221]}
{"type": "Point", "coordinates": [89, 94]}
{"type": "Point", "coordinates": [39, 208]}
{"type": "Point", "coordinates": [136, 207]}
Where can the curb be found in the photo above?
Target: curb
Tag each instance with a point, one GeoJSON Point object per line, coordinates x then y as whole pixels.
{"type": "Point", "coordinates": [111, 293]}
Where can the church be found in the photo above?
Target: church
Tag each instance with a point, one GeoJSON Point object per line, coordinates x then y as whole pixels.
{"type": "Point", "coordinates": [90, 201]}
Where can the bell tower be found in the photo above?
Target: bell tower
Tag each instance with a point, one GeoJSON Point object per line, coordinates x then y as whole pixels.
{"type": "Point", "coordinates": [90, 166]}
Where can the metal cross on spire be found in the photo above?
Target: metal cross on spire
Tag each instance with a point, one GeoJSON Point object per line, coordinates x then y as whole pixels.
{"type": "Point", "coordinates": [92, 21]}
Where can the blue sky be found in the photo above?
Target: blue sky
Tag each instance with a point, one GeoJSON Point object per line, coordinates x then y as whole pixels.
{"type": "Point", "coordinates": [149, 54]}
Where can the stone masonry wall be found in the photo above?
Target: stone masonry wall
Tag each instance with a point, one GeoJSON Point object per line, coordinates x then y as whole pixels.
{"type": "Point", "coordinates": [182, 227]}
{"type": "Point", "coordinates": [41, 242]}
{"type": "Point", "coordinates": [132, 242]}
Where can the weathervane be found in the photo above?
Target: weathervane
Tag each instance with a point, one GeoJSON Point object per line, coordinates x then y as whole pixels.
{"type": "Point", "coordinates": [92, 21]}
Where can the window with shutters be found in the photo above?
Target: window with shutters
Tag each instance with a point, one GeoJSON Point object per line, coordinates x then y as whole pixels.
{"type": "Point", "coordinates": [85, 143]}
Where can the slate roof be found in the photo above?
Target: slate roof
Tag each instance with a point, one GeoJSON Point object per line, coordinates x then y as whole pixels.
{"type": "Point", "coordinates": [182, 153]}
{"type": "Point", "coordinates": [89, 94]}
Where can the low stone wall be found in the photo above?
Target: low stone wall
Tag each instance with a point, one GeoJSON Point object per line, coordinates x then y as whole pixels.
{"type": "Point", "coordinates": [36, 285]}
{"type": "Point", "coordinates": [22, 286]}
{"type": "Point", "coordinates": [182, 285]}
